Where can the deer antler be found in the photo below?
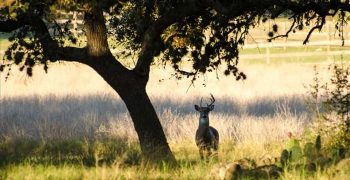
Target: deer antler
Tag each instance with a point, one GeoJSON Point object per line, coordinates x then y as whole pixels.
{"type": "Point", "coordinates": [212, 99]}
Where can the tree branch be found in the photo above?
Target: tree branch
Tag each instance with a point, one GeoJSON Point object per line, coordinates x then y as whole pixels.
{"type": "Point", "coordinates": [288, 31]}
{"type": "Point", "coordinates": [152, 37]}
{"type": "Point", "coordinates": [51, 48]}
{"type": "Point", "coordinates": [96, 54]}
{"type": "Point", "coordinates": [10, 25]}
{"type": "Point", "coordinates": [318, 26]}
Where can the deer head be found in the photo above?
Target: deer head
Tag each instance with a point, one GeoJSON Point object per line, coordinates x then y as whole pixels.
{"type": "Point", "coordinates": [204, 111]}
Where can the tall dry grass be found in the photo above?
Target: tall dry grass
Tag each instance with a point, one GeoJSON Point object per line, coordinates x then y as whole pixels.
{"type": "Point", "coordinates": [72, 101]}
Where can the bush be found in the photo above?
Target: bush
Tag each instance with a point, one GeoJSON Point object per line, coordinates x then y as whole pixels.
{"type": "Point", "coordinates": [330, 101]}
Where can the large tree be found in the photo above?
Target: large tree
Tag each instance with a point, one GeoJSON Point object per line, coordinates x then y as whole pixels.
{"type": "Point", "coordinates": [208, 32]}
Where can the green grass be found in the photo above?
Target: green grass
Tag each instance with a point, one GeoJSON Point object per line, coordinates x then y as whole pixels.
{"type": "Point", "coordinates": [28, 171]}
{"type": "Point", "coordinates": [112, 159]}
{"type": "Point", "coordinates": [103, 159]}
{"type": "Point", "coordinates": [72, 151]}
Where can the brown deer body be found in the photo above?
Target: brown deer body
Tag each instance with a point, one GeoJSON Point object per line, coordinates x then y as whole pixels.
{"type": "Point", "coordinates": [207, 137]}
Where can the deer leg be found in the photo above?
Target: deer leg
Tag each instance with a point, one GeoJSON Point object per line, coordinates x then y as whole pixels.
{"type": "Point", "coordinates": [206, 153]}
{"type": "Point", "coordinates": [215, 154]}
{"type": "Point", "coordinates": [201, 153]}
{"type": "Point", "coordinates": [215, 149]}
{"type": "Point", "coordinates": [209, 151]}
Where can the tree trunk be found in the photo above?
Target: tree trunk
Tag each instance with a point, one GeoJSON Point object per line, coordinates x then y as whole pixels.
{"type": "Point", "coordinates": [131, 87]}
{"type": "Point", "coordinates": [152, 139]}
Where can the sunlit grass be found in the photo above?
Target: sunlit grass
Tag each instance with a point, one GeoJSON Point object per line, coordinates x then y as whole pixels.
{"type": "Point", "coordinates": [104, 172]}
{"type": "Point", "coordinates": [115, 172]}
{"type": "Point", "coordinates": [189, 167]}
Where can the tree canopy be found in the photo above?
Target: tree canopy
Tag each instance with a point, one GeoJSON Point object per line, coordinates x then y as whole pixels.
{"type": "Point", "coordinates": [210, 32]}
{"type": "Point", "coordinates": [206, 33]}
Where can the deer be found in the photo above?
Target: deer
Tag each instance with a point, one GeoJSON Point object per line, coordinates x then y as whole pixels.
{"type": "Point", "coordinates": [207, 137]}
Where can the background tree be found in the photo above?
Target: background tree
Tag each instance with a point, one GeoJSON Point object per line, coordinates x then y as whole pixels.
{"type": "Point", "coordinates": [210, 32]}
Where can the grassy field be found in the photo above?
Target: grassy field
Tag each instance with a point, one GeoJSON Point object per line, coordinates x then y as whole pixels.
{"type": "Point", "coordinates": [69, 124]}
{"type": "Point", "coordinates": [54, 126]}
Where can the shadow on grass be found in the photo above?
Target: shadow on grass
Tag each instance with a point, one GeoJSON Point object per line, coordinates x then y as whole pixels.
{"type": "Point", "coordinates": [69, 151]}
{"type": "Point", "coordinates": [264, 106]}
{"type": "Point", "coordinates": [85, 114]}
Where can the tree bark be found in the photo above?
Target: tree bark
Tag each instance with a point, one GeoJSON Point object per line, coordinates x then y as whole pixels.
{"type": "Point", "coordinates": [96, 33]}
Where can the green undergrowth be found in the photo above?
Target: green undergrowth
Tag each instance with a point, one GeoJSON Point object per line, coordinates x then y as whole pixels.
{"type": "Point", "coordinates": [113, 158]}
{"type": "Point", "coordinates": [108, 158]}
{"type": "Point", "coordinates": [70, 151]}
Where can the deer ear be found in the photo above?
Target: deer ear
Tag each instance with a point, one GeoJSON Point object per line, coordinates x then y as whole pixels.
{"type": "Point", "coordinates": [196, 107]}
{"type": "Point", "coordinates": [211, 107]}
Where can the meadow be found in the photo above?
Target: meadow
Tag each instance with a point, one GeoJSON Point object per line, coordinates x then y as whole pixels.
{"type": "Point", "coordinates": [69, 124]}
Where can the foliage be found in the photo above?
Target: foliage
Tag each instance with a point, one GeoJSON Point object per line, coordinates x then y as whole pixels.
{"type": "Point", "coordinates": [26, 50]}
{"type": "Point", "coordinates": [205, 34]}
{"type": "Point", "coordinates": [295, 151]}
{"type": "Point", "coordinates": [330, 101]}
{"type": "Point", "coordinates": [307, 158]}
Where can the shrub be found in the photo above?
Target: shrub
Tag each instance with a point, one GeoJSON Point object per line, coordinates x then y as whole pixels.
{"type": "Point", "coordinates": [330, 102]}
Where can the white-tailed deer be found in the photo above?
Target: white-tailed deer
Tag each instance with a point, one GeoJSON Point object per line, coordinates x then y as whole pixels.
{"type": "Point", "coordinates": [207, 137]}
